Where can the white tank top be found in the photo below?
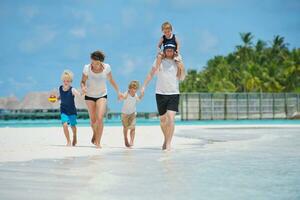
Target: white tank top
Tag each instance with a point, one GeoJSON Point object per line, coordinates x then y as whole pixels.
{"type": "Point", "coordinates": [96, 82]}
{"type": "Point", "coordinates": [129, 105]}
{"type": "Point", "coordinates": [167, 82]}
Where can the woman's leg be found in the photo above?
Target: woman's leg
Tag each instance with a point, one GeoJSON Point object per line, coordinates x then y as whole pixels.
{"type": "Point", "coordinates": [100, 111]}
{"type": "Point", "coordinates": [91, 105]}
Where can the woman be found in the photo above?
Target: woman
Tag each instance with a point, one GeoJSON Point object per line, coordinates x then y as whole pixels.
{"type": "Point", "coordinates": [93, 85]}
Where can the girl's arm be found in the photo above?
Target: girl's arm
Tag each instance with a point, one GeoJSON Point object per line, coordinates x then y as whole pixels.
{"type": "Point", "coordinates": [114, 84]}
{"type": "Point", "coordinates": [140, 96]}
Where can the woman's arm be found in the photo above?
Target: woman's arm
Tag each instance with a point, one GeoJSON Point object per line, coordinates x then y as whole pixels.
{"type": "Point", "coordinates": [83, 83]}
{"type": "Point", "coordinates": [75, 92]}
{"type": "Point", "coordinates": [115, 86]}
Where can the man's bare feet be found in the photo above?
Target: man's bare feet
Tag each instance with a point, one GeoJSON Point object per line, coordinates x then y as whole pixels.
{"type": "Point", "coordinates": [164, 146]}
{"type": "Point", "coordinates": [74, 142]}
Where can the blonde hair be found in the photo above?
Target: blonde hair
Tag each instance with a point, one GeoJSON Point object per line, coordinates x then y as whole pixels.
{"type": "Point", "coordinates": [166, 25]}
{"type": "Point", "coordinates": [134, 84]}
{"type": "Point", "coordinates": [67, 74]}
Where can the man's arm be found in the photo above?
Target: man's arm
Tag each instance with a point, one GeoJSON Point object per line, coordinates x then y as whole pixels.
{"type": "Point", "coordinates": [180, 70]}
{"type": "Point", "coordinates": [148, 79]}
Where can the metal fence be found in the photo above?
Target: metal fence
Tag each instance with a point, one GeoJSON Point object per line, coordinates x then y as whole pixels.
{"type": "Point", "coordinates": [198, 106]}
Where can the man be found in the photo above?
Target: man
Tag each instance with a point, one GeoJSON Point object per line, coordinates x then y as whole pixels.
{"type": "Point", "coordinates": [167, 91]}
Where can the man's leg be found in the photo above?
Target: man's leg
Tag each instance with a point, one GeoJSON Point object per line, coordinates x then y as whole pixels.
{"type": "Point", "coordinates": [163, 120]}
{"type": "Point", "coordinates": [170, 126]}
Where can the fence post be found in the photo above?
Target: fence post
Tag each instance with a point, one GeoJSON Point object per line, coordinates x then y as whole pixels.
{"type": "Point", "coordinates": [187, 107]}
{"type": "Point", "coordinates": [225, 106]}
{"type": "Point", "coordinates": [273, 107]}
{"type": "Point", "coordinates": [285, 106]}
{"type": "Point", "coordinates": [247, 105]}
{"type": "Point", "coordinates": [181, 106]}
{"type": "Point", "coordinates": [199, 103]}
{"type": "Point", "coordinates": [260, 110]}
{"type": "Point", "coordinates": [237, 105]}
{"type": "Point", "coordinates": [298, 105]}
{"type": "Point", "coordinates": [211, 106]}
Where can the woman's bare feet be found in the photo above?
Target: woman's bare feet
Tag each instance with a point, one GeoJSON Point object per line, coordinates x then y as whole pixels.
{"type": "Point", "coordinates": [68, 143]}
{"type": "Point", "coordinates": [98, 146]}
{"type": "Point", "coordinates": [93, 140]}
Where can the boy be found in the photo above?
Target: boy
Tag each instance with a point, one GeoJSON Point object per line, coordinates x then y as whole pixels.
{"type": "Point", "coordinates": [167, 40]}
{"type": "Point", "coordinates": [129, 112]}
{"type": "Point", "coordinates": [67, 106]}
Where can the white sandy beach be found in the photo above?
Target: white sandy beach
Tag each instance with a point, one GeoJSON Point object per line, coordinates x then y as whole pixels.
{"type": "Point", "coordinates": [23, 144]}
{"type": "Point", "coordinates": [206, 162]}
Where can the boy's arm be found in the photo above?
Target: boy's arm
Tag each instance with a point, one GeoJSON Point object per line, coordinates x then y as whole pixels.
{"type": "Point", "coordinates": [178, 44]}
{"type": "Point", "coordinates": [160, 43]}
{"type": "Point", "coordinates": [56, 93]}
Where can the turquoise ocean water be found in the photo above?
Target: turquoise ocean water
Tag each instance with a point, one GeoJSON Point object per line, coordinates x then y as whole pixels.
{"type": "Point", "coordinates": [143, 122]}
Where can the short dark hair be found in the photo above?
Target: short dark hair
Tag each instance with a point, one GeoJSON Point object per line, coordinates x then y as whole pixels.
{"type": "Point", "coordinates": [98, 55]}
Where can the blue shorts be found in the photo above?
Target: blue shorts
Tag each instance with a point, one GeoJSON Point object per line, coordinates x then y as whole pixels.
{"type": "Point", "coordinates": [70, 119]}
